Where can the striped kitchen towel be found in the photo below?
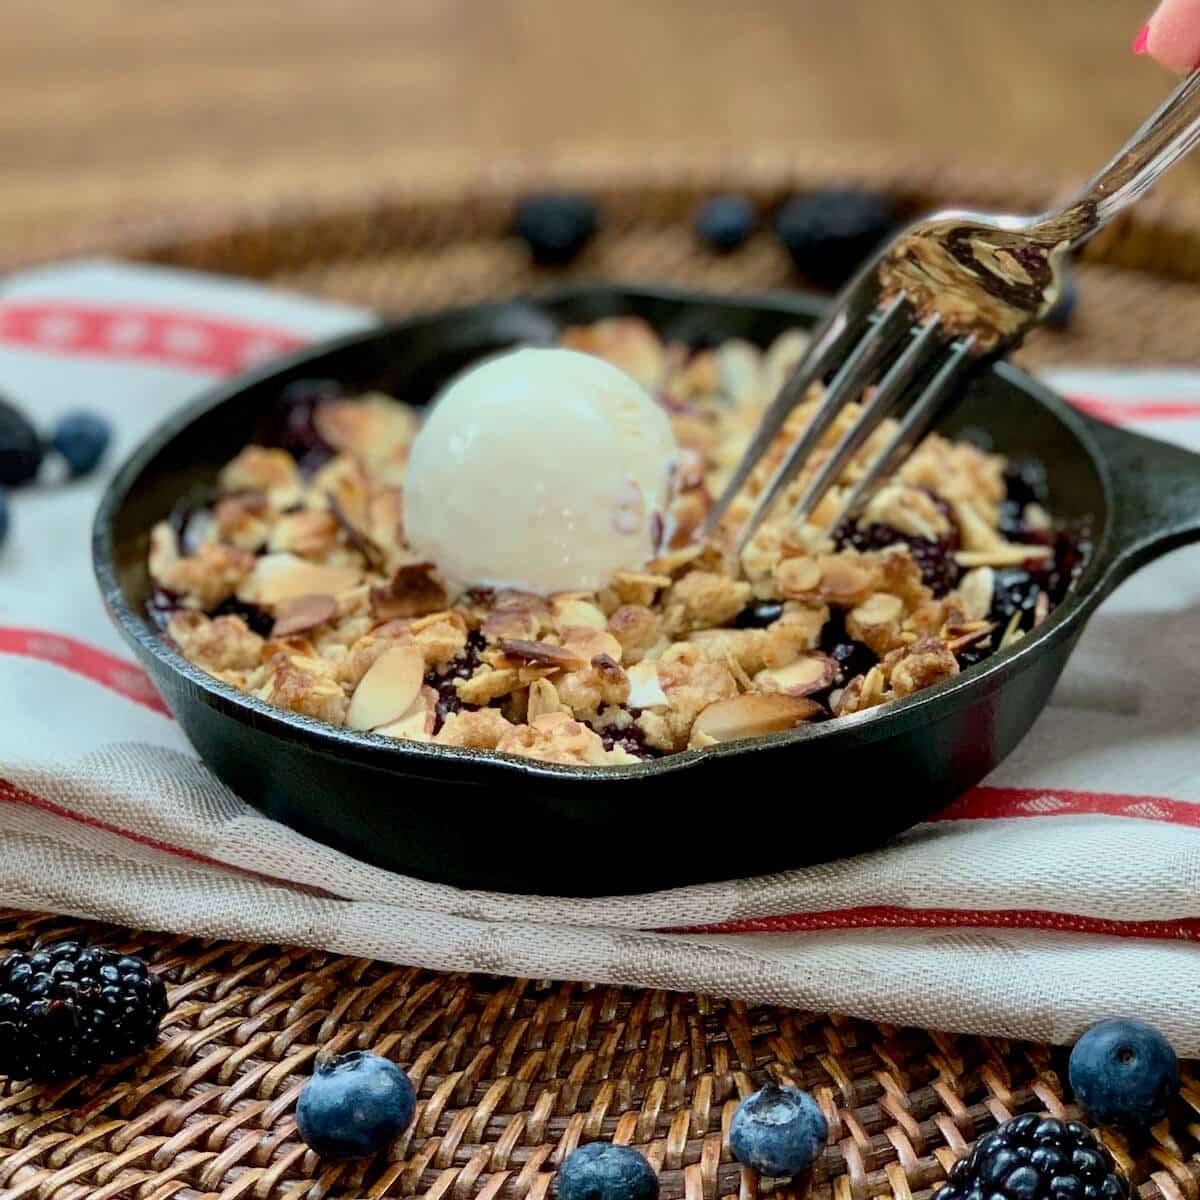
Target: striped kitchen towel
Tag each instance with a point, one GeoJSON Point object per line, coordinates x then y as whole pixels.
{"type": "Point", "coordinates": [1064, 888]}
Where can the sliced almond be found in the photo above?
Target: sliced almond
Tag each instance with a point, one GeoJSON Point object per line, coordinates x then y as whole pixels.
{"type": "Point", "coordinates": [519, 624]}
{"type": "Point", "coordinates": [1034, 516]}
{"type": "Point", "coordinates": [588, 643]}
{"type": "Point", "coordinates": [676, 560]}
{"type": "Point", "coordinates": [354, 535]}
{"type": "Point", "coordinates": [781, 356]}
{"type": "Point", "coordinates": [960, 639]}
{"type": "Point", "coordinates": [164, 549]}
{"type": "Point", "coordinates": [753, 714]}
{"type": "Point", "coordinates": [543, 699]}
{"type": "Point", "coordinates": [812, 673]}
{"type": "Point", "coordinates": [1012, 631]}
{"type": "Point", "coordinates": [908, 510]}
{"type": "Point", "coordinates": [302, 613]}
{"type": "Point", "coordinates": [486, 686]}
{"type": "Point", "coordinates": [1041, 608]}
{"type": "Point", "coordinates": [387, 689]}
{"type": "Point", "coordinates": [633, 587]}
{"type": "Point", "coordinates": [798, 576]}
{"type": "Point", "coordinates": [975, 534]}
{"type": "Point", "coordinates": [280, 577]}
{"type": "Point", "coordinates": [413, 591]}
{"type": "Point", "coordinates": [740, 365]}
{"type": "Point", "coordinates": [1007, 554]}
{"type": "Point", "coordinates": [571, 611]}
{"type": "Point", "coordinates": [418, 719]}
{"type": "Point", "coordinates": [976, 588]}
{"type": "Point", "coordinates": [880, 608]}
{"type": "Point", "coordinates": [544, 654]}
{"type": "Point", "coordinates": [843, 581]}
{"type": "Point", "coordinates": [645, 688]}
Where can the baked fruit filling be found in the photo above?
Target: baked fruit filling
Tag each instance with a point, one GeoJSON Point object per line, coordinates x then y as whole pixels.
{"type": "Point", "coordinates": [295, 582]}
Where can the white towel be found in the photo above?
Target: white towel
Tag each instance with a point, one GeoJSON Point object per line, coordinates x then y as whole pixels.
{"type": "Point", "coordinates": [1063, 889]}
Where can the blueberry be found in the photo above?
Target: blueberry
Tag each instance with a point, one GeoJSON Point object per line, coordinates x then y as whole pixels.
{"type": "Point", "coordinates": [1063, 309]}
{"type": "Point", "coordinates": [725, 222]}
{"type": "Point", "coordinates": [778, 1131]}
{"type": "Point", "coordinates": [555, 227]}
{"type": "Point", "coordinates": [830, 234]}
{"type": "Point", "coordinates": [1124, 1073]}
{"type": "Point", "coordinates": [4, 522]}
{"type": "Point", "coordinates": [20, 448]}
{"type": "Point", "coordinates": [354, 1104]}
{"type": "Point", "coordinates": [81, 438]}
{"type": "Point", "coordinates": [602, 1171]}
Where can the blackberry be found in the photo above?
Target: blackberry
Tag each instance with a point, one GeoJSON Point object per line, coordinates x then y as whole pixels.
{"type": "Point", "coordinates": [725, 222]}
{"type": "Point", "coordinates": [67, 1009]}
{"type": "Point", "coordinates": [555, 227]}
{"type": "Point", "coordinates": [291, 426]}
{"type": "Point", "coordinates": [1035, 1158]}
{"type": "Point", "coordinates": [935, 558]}
{"type": "Point", "coordinates": [21, 450]}
{"type": "Point", "coordinates": [830, 234]}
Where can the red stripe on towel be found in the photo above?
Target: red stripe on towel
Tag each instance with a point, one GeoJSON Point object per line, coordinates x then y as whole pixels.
{"type": "Point", "coordinates": [887, 917]}
{"type": "Point", "coordinates": [117, 674]}
{"type": "Point", "coordinates": [140, 334]}
{"type": "Point", "coordinates": [992, 803]}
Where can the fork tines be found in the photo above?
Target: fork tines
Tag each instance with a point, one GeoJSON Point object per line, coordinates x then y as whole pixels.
{"type": "Point", "coordinates": [888, 349]}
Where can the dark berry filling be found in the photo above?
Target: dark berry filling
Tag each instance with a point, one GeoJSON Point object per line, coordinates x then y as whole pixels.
{"type": "Point", "coordinates": [443, 682]}
{"type": "Point", "coordinates": [291, 424]}
{"type": "Point", "coordinates": [759, 615]}
{"type": "Point", "coordinates": [935, 558]}
{"type": "Point", "coordinates": [852, 656]}
{"type": "Point", "coordinates": [631, 739]}
{"type": "Point", "coordinates": [160, 606]}
{"type": "Point", "coordinates": [258, 620]}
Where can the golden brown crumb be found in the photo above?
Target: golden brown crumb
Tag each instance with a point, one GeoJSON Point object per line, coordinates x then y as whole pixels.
{"type": "Point", "coordinates": [322, 555]}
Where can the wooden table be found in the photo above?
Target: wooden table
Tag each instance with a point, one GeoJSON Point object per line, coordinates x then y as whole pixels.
{"type": "Point", "coordinates": [135, 106]}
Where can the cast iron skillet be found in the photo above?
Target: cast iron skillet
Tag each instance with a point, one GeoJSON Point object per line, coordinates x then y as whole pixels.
{"type": "Point", "coordinates": [480, 820]}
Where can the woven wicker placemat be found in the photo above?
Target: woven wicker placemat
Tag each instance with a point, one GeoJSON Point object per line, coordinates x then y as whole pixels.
{"type": "Point", "coordinates": [513, 1074]}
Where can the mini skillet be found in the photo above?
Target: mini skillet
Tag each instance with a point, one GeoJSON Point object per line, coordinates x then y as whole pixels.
{"type": "Point", "coordinates": [476, 819]}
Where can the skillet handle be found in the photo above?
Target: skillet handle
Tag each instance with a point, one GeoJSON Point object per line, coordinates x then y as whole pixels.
{"type": "Point", "coordinates": [1156, 498]}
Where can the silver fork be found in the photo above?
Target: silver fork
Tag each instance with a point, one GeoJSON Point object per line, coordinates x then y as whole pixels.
{"type": "Point", "coordinates": [951, 290]}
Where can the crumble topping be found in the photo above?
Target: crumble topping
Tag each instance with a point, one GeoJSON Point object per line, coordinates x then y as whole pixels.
{"type": "Point", "coordinates": [978, 282]}
{"type": "Point", "coordinates": [294, 583]}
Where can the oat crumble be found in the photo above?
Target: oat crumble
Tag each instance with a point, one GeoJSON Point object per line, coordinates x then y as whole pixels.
{"type": "Point", "coordinates": [294, 583]}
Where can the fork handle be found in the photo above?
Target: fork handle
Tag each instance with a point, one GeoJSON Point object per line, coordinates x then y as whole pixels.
{"type": "Point", "coordinates": [1162, 141]}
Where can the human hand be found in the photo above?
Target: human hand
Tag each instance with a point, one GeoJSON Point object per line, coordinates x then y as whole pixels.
{"type": "Point", "coordinates": [1172, 35]}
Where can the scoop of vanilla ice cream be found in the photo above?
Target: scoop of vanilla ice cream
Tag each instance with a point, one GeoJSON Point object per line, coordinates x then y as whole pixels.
{"type": "Point", "coordinates": [541, 470]}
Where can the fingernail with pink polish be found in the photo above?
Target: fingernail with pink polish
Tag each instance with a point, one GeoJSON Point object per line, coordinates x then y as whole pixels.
{"type": "Point", "coordinates": [1139, 42]}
